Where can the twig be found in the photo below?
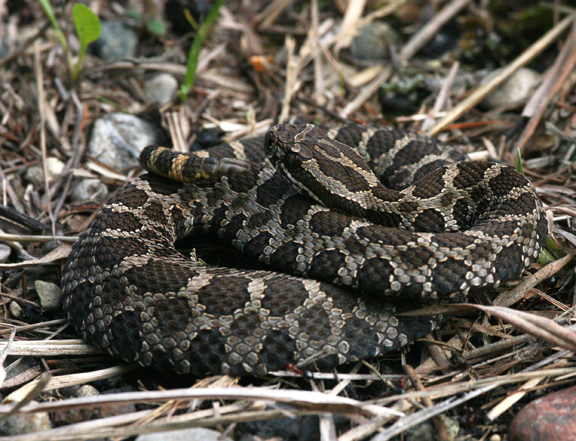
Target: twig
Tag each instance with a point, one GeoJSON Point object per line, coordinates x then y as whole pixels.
{"type": "Point", "coordinates": [291, 78]}
{"type": "Point", "coordinates": [4, 354]}
{"type": "Point", "coordinates": [311, 401]}
{"type": "Point", "coordinates": [439, 424]}
{"type": "Point", "coordinates": [68, 380]}
{"type": "Point", "coordinates": [314, 37]}
{"type": "Point", "coordinates": [422, 415]}
{"type": "Point", "coordinates": [344, 37]}
{"type": "Point", "coordinates": [366, 93]}
{"type": "Point", "coordinates": [78, 152]}
{"type": "Point", "coordinates": [42, 111]}
{"type": "Point", "coordinates": [271, 12]}
{"type": "Point", "coordinates": [33, 238]}
{"type": "Point", "coordinates": [31, 393]}
{"type": "Point", "coordinates": [348, 28]}
{"type": "Point", "coordinates": [536, 107]}
{"type": "Point", "coordinates": [527, 56]}
{"type": "Point", "coordinates": [420, 38]}
{"type": "Point", "coordinates": [509, 401]}
{"type": "Point", "coordinates": [514, 295]}
{"type": "Point", "coordinates": [442, 97]}
{"type": "Point", "coordinates": [16, 53]}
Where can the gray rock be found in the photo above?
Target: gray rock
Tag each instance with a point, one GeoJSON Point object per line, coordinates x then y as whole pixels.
{"type": "Point", "coordinates": [5, 46]}
{"type": "Point", "coordinates": [35, 174]}
{"type": "Point", "coordinates": [300, 427]}
{"type": "Point", "coordinates": [25, 423]}
{"type": "Point", "coordinates": [427, 432]}
{"type": "Point", "coordinates": [15, 309]}
{"type": "Point", "coordinates": [548, 418]}
{"type": "Point", "coordinates": [117, 140]}
{"type": "Point", "coordinates": [160, 89]}
{"type": "Point", "coordinates": [373, 41]}
{"type": "Point", "coordinates": [50, 295]}
{"type": "Point", "coordinates": [117, 41]}
{"type": "Point", "coordinates": [195, 434]}
{"type": "Point", "coordinates": [84, 390]}
{"type": "Point", "coordinates": [4, 252]}
{"type": "Point", "coordinates": [87, 391]}
{"type": "Point", "coordinates": [89, 189]}
{"type": "Point", "coordinates": [516, 89]}
{"type": "Point", "coordinates": [421, 432]}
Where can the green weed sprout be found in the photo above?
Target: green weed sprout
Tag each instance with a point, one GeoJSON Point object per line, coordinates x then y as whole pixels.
{"type": "Point", "coordinates": [194, 53]}
{"type": "Point", "coordinates": [519, 166]}
{"type": "Point", "coordinates": [87, 27]}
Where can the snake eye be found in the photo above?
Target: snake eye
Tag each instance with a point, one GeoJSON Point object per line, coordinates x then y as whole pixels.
{"type": "Point", "coordinates": [293, 161]}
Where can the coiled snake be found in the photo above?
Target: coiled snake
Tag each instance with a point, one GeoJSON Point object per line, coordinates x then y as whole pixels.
{"type": "Point", "coordinates": [460, 229]}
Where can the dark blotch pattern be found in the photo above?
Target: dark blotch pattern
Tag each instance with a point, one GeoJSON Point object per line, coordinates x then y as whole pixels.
{"type": "Point", "coordinates": [459, 230]}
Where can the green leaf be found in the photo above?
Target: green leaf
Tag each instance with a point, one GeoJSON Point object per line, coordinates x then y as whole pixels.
{"type": "Point", "coordinates": [156, 27]}
{"type": "Point", "coordinates": [519, 167]}
{"type": "Point", "coordinates": [88, 28]}
{"type": "Point", "coordinates": [87, 24]}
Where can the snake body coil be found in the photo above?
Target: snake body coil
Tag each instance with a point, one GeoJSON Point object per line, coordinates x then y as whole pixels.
{"type": "Point", "coordinates": [460, 228]}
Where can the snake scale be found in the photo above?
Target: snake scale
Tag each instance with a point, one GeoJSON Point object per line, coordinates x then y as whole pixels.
{"type": "Point", "coordinates": [348, 239]}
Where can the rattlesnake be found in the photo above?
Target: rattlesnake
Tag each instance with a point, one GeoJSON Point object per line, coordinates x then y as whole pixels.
{"type": "Point", "coordinates": [463, 228]}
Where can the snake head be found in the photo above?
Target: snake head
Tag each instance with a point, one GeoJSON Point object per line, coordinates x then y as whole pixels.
{"type": "Point", "coordinates": [291, 148]}
{"type": "Point", "coordinates": [326, 170]}
{"type": "Point", "coordinates": [291, 143]}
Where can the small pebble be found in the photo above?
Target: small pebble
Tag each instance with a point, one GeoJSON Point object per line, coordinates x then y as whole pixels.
{"type": "Point", "coordinates": [35, 174]}
{"type": "Point", "coordinates": [427, 432]}
{"type": "Point", "coordinates": [87, 391]}
{"type": "Point", "coordinates": [50, 295]}
{"type": "Point", "coordinates": [117, 41]}
{"type": "Point", "coordinates": [89, 189]}
{"type": "Point", "coordinates": [550, 418]}
{"type": "Point", "coordinates": [160, 89]}
{"type": "Point", "coordinates": [195, 434]}
{"type": "Point", "coordinates": [514, 90]}
{"type": "Point", "coordinates": [25, 423]}
{"type": "Point", "coordinates": [15, 309]}
{"type": "Point", "coordinates": [117, 140]}
{"type": "Point", "coordinates": [373, 41]}
{"type": "Point", "coordinates": [297, 428]}
{"type": "Point", "coordinates": [84, 390]}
